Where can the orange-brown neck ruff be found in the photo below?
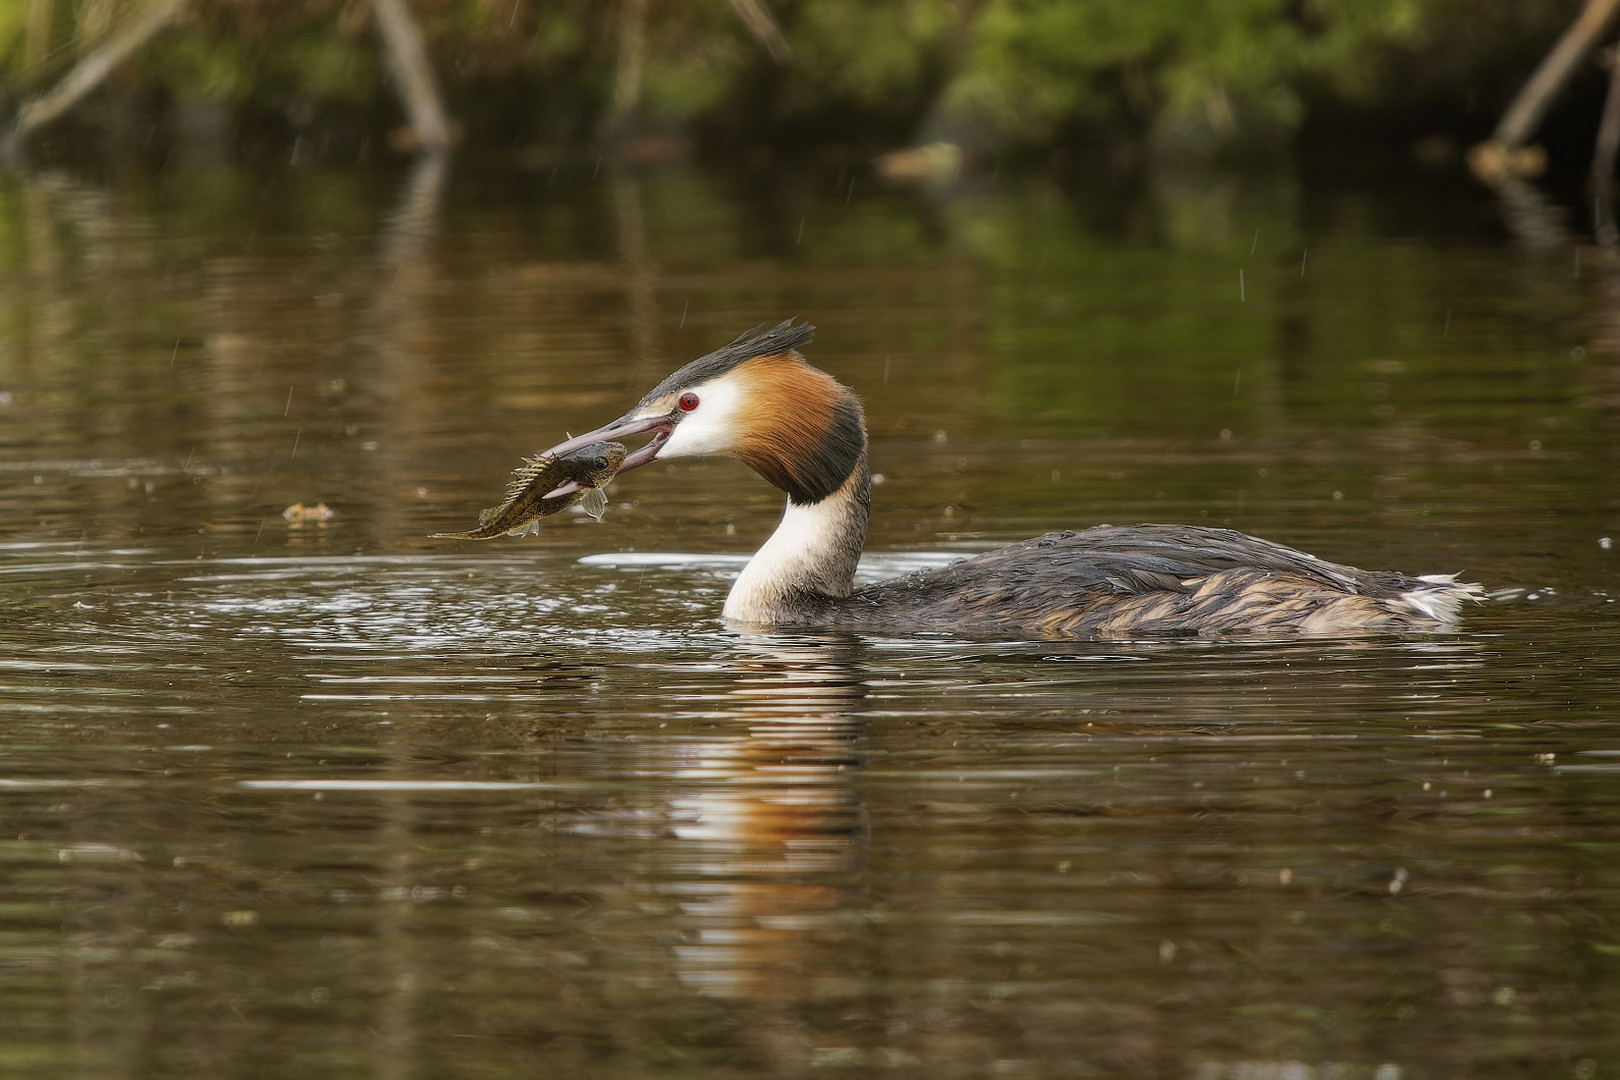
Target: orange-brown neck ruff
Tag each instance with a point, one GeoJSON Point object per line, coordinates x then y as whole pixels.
{"type": "Point", "coordinates": [802, 430]}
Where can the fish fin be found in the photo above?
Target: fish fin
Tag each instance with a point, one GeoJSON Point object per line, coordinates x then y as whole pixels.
{"type": "Point", "coordinates": [525, 474]}
{"type": "Point", "coordinates": [594, 503]}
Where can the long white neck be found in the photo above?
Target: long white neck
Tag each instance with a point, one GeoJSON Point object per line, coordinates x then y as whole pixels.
{"type": "Point", "coordinates": [809, 561]}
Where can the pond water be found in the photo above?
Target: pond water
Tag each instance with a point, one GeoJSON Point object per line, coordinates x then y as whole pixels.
{"type": "Point", "coordinates": [323, 796]}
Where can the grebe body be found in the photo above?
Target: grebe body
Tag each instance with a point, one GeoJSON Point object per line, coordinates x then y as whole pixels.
{"type": "Point", "coordinates": [758, 400]}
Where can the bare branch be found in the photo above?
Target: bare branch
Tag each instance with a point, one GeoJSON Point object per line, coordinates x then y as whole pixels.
{"type": "Point", "coordinates": [413, 73]}
{"type": "Point", "coordinates": [1524, 115]}
{"type": "Point", "coordinates": [90, 72]}
{"type": "Point", "coordinates": [759, 22]}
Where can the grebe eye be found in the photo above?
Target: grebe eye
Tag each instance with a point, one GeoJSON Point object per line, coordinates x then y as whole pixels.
{"type": "Point", "coordinates": [688, 402]}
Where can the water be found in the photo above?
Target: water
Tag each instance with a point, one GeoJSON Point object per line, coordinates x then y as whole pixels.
{"type": "Point", "coordinates": [328, 797]}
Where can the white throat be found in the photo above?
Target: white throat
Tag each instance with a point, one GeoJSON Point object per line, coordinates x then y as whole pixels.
{"type": "Point", "coordinates": [808, 560]}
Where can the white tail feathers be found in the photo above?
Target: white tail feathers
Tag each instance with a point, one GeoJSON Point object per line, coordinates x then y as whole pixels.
{"type": "Point", "coordinates": [1444, 596]}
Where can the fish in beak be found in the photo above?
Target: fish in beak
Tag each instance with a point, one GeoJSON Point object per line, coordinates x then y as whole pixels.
{"type": "Point", "coordinates": [756, 400]}
{"type": "Point", "coordinates": [635, 422]}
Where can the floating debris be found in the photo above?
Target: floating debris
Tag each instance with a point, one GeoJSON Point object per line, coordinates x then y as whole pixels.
{"type": "Point", "coordinates": [298, 515]}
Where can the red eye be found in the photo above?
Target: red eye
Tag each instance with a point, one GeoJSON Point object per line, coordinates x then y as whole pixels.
{"type": "Point", "coordinates": [688, 402]}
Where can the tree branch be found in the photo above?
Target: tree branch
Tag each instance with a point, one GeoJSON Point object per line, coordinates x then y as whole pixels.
{"type": "Point", "coordinates": [759, 22]}
{"type": "Point", "coordinates": [90, 72]}
{"type": "Point", "coordinates": [1524, 115]}
{"type": "Point", "coordinates": [413, 74]}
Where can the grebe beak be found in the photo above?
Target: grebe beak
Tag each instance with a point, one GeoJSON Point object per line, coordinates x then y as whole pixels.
{"type": "Point", "coordinates": [631, 423]}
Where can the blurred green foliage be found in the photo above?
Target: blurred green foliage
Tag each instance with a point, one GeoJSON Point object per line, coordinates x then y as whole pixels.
{"type": "Point", "coordinates": [1034, 64]}
{"type": "Point", "coordinates": [1003, 72]}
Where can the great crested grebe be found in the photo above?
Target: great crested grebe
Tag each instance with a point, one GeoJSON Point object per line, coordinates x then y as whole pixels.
{"type": "Point", "coordinates": [757, 400]}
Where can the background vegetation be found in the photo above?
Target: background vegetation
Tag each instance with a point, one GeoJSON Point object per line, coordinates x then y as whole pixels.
{"type": "Point", "coordinates": [1007, 74]}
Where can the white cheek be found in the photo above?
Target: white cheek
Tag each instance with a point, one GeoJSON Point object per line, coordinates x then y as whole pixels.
{"type": "Point", "coordinates": [712, 427]}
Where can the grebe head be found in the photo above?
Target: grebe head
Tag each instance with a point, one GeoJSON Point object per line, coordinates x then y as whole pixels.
{"type": "Point", "coordinates": [757, 400]}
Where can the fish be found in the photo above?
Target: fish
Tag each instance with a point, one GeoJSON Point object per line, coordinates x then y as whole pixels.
{"type": "Point", "coordinates": [590, 468]}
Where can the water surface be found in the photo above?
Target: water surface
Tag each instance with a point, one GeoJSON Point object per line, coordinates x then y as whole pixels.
{"type": "Point", "coordinates": [328, 797]}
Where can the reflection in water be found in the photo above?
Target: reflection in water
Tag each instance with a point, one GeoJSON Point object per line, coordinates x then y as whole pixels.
{"type": "Point", "coordinates": [775, 834]}
{"type": "Point", "coordinates": [396, 332]}
{"type": "Point", "coordinates": [408, 233]}
{"type": "Point", "coordinates": [1542, 227]}
{"type": "Point", "coordinates": [639, 271]}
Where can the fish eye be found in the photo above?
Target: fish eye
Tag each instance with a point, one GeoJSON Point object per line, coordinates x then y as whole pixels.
{"type": "Point", "coordinates": [688, 401]}
{"type": "Point", "coordinates": [599, 463]}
